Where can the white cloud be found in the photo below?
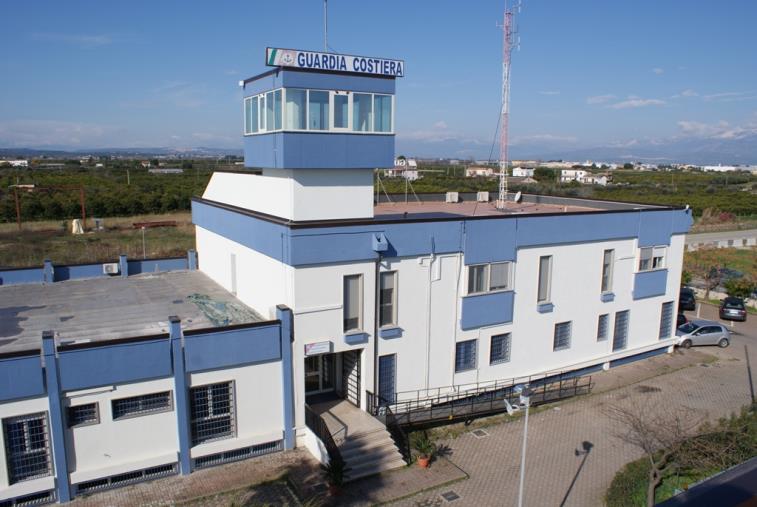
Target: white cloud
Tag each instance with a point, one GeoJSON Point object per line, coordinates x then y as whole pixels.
{"type": "Point", "coordinates": [658, 70]}
{"type": "Point", "coordinates": [689, 93]}
{"type": "Point", "coordinates": [718, 130]}
{"type": "Point", "coordinates": [82, 40]}
{"type": "Point", "coordinates": [543, 138]}
{"type": "Point", "coordinates": [731, 96]}
{"type": "Point", "coordinates": [549, 92]}
{"type": "Point", "coordinates": [599, 99]}
{"type": "Point", "coordinates": [634, 102]}
{"type": "Point", "coordinates": [441, 124]}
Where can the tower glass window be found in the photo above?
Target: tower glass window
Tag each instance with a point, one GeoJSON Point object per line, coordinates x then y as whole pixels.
{"type": "Point", "coordinates": [318, 110]}
{"type": "Point", "coordinates": [361, 112]}
{"type": "Point", "coordinates": [341, 111]}
{"type": "Point", "coordinates": [382, 105]}
{"type": "Point", "coordinates": [295, 109]}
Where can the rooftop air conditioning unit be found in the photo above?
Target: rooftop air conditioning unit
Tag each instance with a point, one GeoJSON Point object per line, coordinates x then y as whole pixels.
{"type": "Point", "coordinates": [482, 196]}
{"type": "Point", "coordinates": [452, 197]}
{"type": "Point", "coordinates": [110, 268]}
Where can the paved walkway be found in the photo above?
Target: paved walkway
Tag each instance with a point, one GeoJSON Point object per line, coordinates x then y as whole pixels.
{"type": "Point", "coordinates": [556, 474]}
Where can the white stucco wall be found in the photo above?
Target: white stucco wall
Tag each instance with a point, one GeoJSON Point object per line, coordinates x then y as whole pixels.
{"type": "Point", "coordinates": [262, 282]}
{"type": "Point", "coordinates": [132, 443]}
{"type": "Point", "coordinates": [259, 405]}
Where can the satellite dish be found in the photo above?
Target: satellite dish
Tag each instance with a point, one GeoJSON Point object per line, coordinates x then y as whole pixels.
{"type": "Point", "coordinates": [518, 197]}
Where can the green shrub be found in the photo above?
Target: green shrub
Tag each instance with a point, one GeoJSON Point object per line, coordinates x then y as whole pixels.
{"type": "Point", "coordinates": [629, 486]}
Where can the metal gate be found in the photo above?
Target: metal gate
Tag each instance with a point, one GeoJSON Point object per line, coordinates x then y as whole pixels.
{"type": "Point", "coordinates": [351, 376]}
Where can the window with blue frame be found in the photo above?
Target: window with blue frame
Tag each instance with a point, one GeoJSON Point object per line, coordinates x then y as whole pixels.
{"type": "Point", "coordinates": [361, 112]}
{"type": "Point", "coordinates": [318, 110]}
{"type": "Point", "coordinates": [382, 107]}
{"type": "Point", "coordinates": [296, 107]}
{"type": "Point", "coordinates": [465, 356]}
{"type": "Point", "coordinates": [341, 110]}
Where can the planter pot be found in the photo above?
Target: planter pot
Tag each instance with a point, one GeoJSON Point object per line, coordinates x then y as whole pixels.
{"type": "Point", "coordinates": [423, 461]}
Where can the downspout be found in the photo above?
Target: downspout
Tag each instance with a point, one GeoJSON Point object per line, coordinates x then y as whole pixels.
{"type": "Point", "coordinates": [376, 289]}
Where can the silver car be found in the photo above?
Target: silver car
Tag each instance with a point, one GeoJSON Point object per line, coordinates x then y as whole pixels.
{"type": "Point", "coordinates": [702, 332]}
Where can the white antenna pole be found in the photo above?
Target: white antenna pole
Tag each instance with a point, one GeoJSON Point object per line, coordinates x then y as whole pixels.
{"type": "Point", "coordinates": [508, 29]}
{"type": "Point", "coordinates": [325, 26]}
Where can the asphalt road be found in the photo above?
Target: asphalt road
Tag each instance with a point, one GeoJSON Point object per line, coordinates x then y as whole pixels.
{"type": "Point", "coordinates": [742, 333]}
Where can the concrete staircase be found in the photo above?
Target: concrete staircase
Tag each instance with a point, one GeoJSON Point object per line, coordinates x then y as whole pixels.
{"type": "Point", "coordinates": [368, 453]}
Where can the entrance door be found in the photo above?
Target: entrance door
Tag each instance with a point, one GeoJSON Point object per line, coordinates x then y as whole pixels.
{"type": "Point", "coordinates": [387, 378]}
{"type": "Point", "coordinates": [319, 374]}
{"type": "Point", "coordinates": [351, 376]}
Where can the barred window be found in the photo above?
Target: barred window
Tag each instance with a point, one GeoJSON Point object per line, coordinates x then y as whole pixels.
{"type": "Point", "coordinates": [82, 415]}
{"type": "Point", "coordinates": [666, 320]}
{"type": "Point", "coordinates": [465, 355]}
{"type": "Point", "coordinates": [27, 447]}
{"type": "Point", "coordinates": [620, 334]}
{"type": "Point", "coordinates": [562, 335]}
{"type": "Point", "coordinates": [212, 412]}
{"type": "Point", "coordinates": [142, 405]}
{"type": "Point", "coordinates": [603, 327]}
{"type": "Point", "coordinates": [499, 351]}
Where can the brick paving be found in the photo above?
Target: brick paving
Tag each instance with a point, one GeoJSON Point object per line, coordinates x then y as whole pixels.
{"type": "Point", "coordinates": [556, 475]}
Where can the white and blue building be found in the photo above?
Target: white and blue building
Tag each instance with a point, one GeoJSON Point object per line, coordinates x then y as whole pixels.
{"type": "Point", "coordinates": [304, 286]}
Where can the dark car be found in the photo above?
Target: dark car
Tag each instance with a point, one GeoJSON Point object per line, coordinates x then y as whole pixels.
{"type": "Point", "coordinates": [732, 308]}
{"type": "Point", "coordinates": [681, 320]}
{"type": "Point", "coordinates": [687, 301]}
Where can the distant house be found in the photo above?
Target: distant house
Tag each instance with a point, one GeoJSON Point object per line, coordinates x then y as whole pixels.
{"type": "Point", "coordinates": [473, 172]}
{"type": "Point", "coordinates": [403, 168]}
{"type": "Point", "coordinates": [145, 163]}
{"type": "Point", "coordinates": [568, 175]}
{"type": "Point", "coordinates": [15, 163]}
{"type": "Point", "coordinates": [719, 168]}
{"type": "Point", "coordinates": [166, 170]}
{"type": "Point", "coordinates": [523, 172]}
{"type": "Point", "coordinates": [596, 179]}
{"type": "Point", "coordinates": [99, 165]}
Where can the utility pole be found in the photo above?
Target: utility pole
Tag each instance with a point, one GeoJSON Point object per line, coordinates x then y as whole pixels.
{"type": "Point", "coordinates": [325, 26]}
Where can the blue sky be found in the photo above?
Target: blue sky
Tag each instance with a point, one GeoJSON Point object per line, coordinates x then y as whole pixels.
{"type": "Point", "coordinates": [87, 74]}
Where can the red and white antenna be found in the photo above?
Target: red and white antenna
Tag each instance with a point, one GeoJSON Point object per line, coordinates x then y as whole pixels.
{"type": "Point", "coordinates": [508, 34]}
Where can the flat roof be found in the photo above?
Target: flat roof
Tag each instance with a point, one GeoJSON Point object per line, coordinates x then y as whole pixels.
{"type": "Point", "coordinates": [438, 209]}
{"type": "Point", "coordinates": [103, 309]}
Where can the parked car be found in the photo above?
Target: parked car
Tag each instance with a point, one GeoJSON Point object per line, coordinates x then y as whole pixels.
{"type": "Point", "coordinates": [681, 320]}
{"type": "Point", "coordinates": [686, 300]}
{"type": "Point", "coordinates": [702, 332]}
{"type": "Point", "coordinates": [732, 308]}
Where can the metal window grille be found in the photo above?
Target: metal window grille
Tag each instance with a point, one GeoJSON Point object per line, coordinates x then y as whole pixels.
{"type": "Point", "coordinates": [43, 498]}
{"type": "Point", "coordinates": [141, 405]}
{"type": "Point", "coordinates": [27, 447]}
{"type": "Point", "coordinates": [127, 478]}
{"type": "Point", "coordinates": [465, 355]}
{"type": "Point", "coordinates": [562, 335]}
{"type": "Point", "coordinates": [499, 351]}
{"type": "Point", "coordinates": [666, 320]}
{"type": "Point", "coordinates": [603, 326]}
{"type": "Point", "coordinates": [212, 412]}
{"type": "Point", "coordinates": [82, 415]}
{"type": "Point", "coordinates": [620, 334]}
{"type": "Point", "coordinates": [238, 454]}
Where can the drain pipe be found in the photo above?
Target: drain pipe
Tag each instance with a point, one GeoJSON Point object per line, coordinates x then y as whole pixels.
{"type": "Point", "coordinates": [376, 290]}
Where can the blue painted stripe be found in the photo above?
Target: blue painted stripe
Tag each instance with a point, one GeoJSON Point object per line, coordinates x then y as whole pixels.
{"type": "Point", "coordinates": [226, 349]}
{"type": "Point", "coordinates": [137, 267]}
{"type": "Point", "coordinates": [650, 283]}
{"type": "Point", "coordinates": [114, 364]}
{"type": "Point", "coordinates": [285, 316]}
{"type": "Point", "coordinates": [21, 377]}
{"type": "Point", "coordinates": [637, 357]}
{"type": "Point", "coordinates": [318, 80]}
{"type": "Point", "coordinates": [482, 240]}
{"type": "Point", "coordinates": [57, 423]}
{"type": "Point", "coordinates": [77, 272]}
{"type": "Point", "coordinates": [181, 396]}
{"type": "Point", "coordinates": [487, 309]}
{"type": "Point", "coordinates": [17, 276]}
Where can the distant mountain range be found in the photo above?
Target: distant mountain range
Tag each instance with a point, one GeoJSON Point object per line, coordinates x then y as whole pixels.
{"type": "Point", "coordinates": [64, 152]}
{"type": "Point", "coordinates": [741, 150]}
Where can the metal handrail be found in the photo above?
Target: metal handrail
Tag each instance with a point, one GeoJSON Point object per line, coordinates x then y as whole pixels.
{"type": "Point", "coordinates": [385, 414]}
{"type": "Point", "coordinates": [318, 426]}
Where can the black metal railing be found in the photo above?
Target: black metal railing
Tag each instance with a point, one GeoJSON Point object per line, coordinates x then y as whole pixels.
{"type": "Point", "coordinates": [318, 426]}
{"type": "Point", "coordinates": [383, 413]}
{"type": "Point", "coordinates": [473, 400]}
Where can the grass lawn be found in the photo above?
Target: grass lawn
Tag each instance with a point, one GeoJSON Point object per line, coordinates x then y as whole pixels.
{"type": "Point", "coordinates": [38, 241]}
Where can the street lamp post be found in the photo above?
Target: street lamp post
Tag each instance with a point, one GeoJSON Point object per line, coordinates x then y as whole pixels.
{"type": "Point", "coordinates": [525, 400]}
{"type": "Point", "coordinates": [144, 251]}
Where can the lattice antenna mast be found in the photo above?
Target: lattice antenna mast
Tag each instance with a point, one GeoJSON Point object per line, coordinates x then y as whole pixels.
{"type": "Point", "coordinates": [508, 39]}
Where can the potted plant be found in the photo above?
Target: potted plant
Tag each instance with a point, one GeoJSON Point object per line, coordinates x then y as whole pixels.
{"type": "Point", "coordinates": [335, 471]}
{"type": "Point", "coordinates": [425, 448]}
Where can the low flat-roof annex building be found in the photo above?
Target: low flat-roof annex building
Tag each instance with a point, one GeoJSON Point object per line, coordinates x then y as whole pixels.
{"type": "Point", "coordinates": [306, 291]}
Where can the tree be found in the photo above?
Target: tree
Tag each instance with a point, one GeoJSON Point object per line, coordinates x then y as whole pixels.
{"type": "Point", "coordinates": [545, 175]}
{"type": "Point", "coordinates": [659, 431]}
{"type": "Point", "coordinates": [705, 264]}
{"type": "Point", "coordinates": [740, 287]}
{"type": "Point", "coordinates": [685, 278]}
